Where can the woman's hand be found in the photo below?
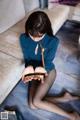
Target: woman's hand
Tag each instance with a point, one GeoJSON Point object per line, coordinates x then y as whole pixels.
{"type": "Point", "coordinates": [40, 70]}
{"type": "Point", "coordinates": [26, 71]}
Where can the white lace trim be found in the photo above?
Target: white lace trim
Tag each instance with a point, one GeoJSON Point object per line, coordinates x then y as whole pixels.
{"type": "Point", "coordinates": [36, 49]}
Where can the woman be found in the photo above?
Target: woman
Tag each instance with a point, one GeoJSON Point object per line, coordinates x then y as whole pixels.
{"type": "Point", "coordinates": [39, 47]}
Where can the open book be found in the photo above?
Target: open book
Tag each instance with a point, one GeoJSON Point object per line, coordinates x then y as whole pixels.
{"type": "Point", "coordinates": [30, 74]}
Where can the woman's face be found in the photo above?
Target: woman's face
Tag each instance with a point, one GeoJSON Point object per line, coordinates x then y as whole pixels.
{"type": "Point", "coordinates": [37, 38]}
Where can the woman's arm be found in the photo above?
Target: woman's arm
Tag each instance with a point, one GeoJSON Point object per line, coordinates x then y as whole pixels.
{"type": "Point", "coordinates": [50, 54]}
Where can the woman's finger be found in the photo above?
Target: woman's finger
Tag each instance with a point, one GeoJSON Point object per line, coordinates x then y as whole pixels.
{"type": "Point", "coordinates": [42, 81]}
{"type": "Point", "coordinates": [46, 74]}
{"type": "Point", "coordinates": [35, 78]}
{"type": "Point", "coordinates": [40, 78]}
{"type": "Point", "coordinates": [27, 80]}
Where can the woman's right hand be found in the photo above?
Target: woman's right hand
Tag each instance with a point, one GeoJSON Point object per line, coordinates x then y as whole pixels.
{"type": "Point", "coordinates": [27, 70]}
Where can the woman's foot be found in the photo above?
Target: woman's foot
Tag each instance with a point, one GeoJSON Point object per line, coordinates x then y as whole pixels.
{"type": "Point", "coordinates": [68, 97]}
{"type": "Point", "coordinates": [32, 106]}
{"type": "Point", "coordinates": [74, 116]}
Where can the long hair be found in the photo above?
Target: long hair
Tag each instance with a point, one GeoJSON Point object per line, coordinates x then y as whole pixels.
{"type": "Point", "coordinates": [38, 22]}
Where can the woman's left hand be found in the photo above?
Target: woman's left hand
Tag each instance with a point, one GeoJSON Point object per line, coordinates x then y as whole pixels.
{"type": "Point", "coordinates": [41, 70]}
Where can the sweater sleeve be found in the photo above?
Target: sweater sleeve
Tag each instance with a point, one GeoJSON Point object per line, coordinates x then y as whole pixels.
{"type": "Point", "coordinates": [23, 45]}
{"type": "Point", "coordinates": [50, 55]}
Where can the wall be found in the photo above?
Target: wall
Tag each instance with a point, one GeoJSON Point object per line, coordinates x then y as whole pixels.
{"type": "Point", "coordinates": [30, 4]}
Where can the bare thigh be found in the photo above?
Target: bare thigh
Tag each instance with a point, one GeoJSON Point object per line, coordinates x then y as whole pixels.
{"type": "Point", "coordinates": [44, 88]}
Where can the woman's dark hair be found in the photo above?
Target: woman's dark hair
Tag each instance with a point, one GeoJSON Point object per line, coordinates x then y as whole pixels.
{"type": "Point", "coordinates": [38, 22]}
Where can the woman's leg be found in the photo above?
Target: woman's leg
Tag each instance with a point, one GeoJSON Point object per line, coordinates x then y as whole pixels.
{"type": "Point", "coordinates": [65, 98]}
{"type": "Point", "coordinates": [31, 92]}
{"type": "Point", "coordinates": [42, 90]}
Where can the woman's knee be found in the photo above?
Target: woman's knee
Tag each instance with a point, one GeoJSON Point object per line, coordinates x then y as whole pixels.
{"type": "Point", "coordinates": [53, 73]}
{"type": "Point", "coordinates": [36, 102]}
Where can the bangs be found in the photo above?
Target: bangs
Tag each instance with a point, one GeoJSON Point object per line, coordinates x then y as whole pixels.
{"type": "Point", "coordinates": [36, 32]}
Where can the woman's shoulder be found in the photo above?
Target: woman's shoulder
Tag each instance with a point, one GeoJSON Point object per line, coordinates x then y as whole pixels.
{"type": "Point", "coordinates": [53, 40]}
{"type": "Point", "coordinates": [22, 36]}
{"type": "Point", "coordinates": [23, 39]}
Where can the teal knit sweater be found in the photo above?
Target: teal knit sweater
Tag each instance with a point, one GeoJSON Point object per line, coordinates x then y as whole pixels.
{"type": "Point", "coordinates": [32, 51]}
